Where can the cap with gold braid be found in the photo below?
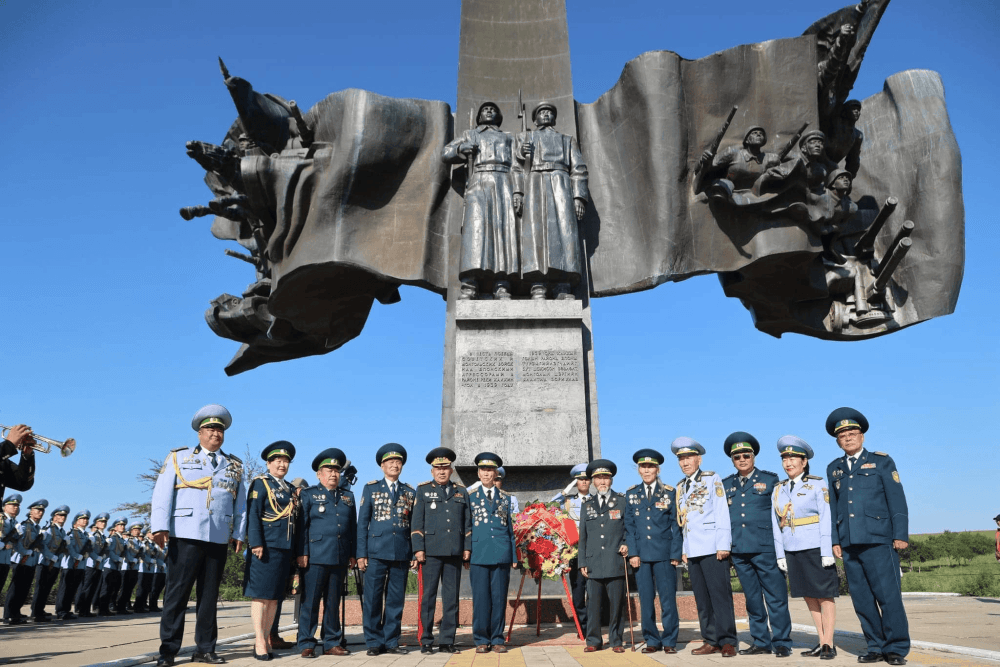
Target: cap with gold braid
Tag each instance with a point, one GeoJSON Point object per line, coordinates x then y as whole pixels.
{"type": "Point", "coordinates": [792, 445]}
{"type": "Point", "coordinates": [488, 460]}
{"type": "Point", "coordinates": [13, 499]}
{"type": "Point", "coordinates": [279, 448]}
{"type": "Point", "coordinates": [648, 456]}
{"type": "Point", "coordinates": [579, 471]}
{"type": "Point", "coordinates": [441, 457]}
{"type": "Point", "coordinates": [212, 415]}
{"type": "Point", "coordinates": [684, 445]}
{"type": "Point", "coordinates": [388, 451]}
{"type": "Point", "coordinates": [601, 467]}
{"type": "Point", "coordinates": [842, 419]}
{"type": "Point", "coordinates": [331, 458]}
{"type": "Point", "coordinates": [739, 442]}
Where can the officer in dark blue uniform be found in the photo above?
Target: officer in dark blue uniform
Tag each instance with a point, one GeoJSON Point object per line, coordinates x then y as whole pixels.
{"type": "Point", "coordinates": [655, 544]}
{"type": "Point", "coordinates": [327, 540]}
{"type": "Point", "coordinates": [384, 552]}
{"type": "Point", "coordinates": [442, 542]}
{"type": "Point", "coordinates": [754, 553]}
{"type": "Point", "coordinates": [602, 550]}
{"type": "Point", "coordinates": [494, 553]}
{"type": "Point", "coordinates": [870, 524]}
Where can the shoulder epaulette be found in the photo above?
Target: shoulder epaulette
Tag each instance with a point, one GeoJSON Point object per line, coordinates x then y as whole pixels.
{"type": "Point", "coordinates": [813, 477]}
{"type": "Point", "coordinates": [668, 487]}
{"type": "Point", "coordinates": [681, 481]}
{"type": "Point", "coordinates": [707, 473]}
{"type": "Point", "coordinates": [782, 482]}
{"type": "Point", "coordinates": [634, 486]}
{"type": "Point", "coordinates": [430, 481]}
{"type": "Point", "coordinates": [729, 477]}
{"type": "Point", "coordinates": [460, 484]}
{"type": "Point", "coordinates": [258, 477]}
{"type": "Point", "coordinates": [406, 485]}
{"type": "Point", "coordinates": [620, 494]}
{"type": "Point", "coordinates": [503, 494]}
{"type": "Point", "coordinates": [880, 453]}
{"type": "Point", "coordinates": [179, 449]}
{"type": "Point", "coordinates": [767, 472]}
{"type": "Point", "coordinates": [235, 458]}
{"type": "Point", "coordinates": [374, 481]}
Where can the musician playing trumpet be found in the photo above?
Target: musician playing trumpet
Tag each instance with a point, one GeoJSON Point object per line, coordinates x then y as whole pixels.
{"type": "Point", "coordinates": [20, 475]}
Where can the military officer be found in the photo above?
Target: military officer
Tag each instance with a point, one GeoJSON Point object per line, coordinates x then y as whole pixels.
{"type": "Point", "coordinates": [159, 577]}
{"type": "Point", "coordinates": [327, 542]}
{"type": "Point", "coordinates": [73, 565]}
{"type": "Point", "coordinates": [515, 506]}
{"type": "Point", "coordinates": [572, 498]}
{"type": "Point", "coordinates": [111, 575]}
{"type": "Point", "coordinates": [53, 546]}
{"type": "Point", "coordinates": [131, 560]}
{"type": "Point", "coordinates": [384, 552]}
{"type": "Point", "coordinates": [200, 492]}
{"type": "Point", "coordinates": [870, 524]}
{"type": "Point", "coordinates": [23, 561]}
{"type": "Point", "coordinates": [8, 533]}
{"type": "Point", "coordinates": [494, 553]}
{"type": "Point", "coordinates": [91, 588]}
{"type": "Point", "coordinates": [703, 514]}
{"type": "Point", "coordinates": [655, 544]}
{"type": "Point", "coordinates": [442, 543]}
{"type": "Point", "coordinates": [147, 565]}
{"type": "Point", "coordinates": [757, 547]}
{"type": "Point", "coordinates": [602, 555]}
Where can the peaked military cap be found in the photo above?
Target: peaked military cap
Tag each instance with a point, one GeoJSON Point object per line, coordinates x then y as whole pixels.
{"type": "Point", "coordinates": [811, 134]}
{"type": "Point", "coordinates": [685, 445]}
{"type": "Point", "coordinates": [441, 457]}
{"type": "Point", "coordinates": [579, 471]}
{"type": "Point", "coordinates": [496, 106]}
{"type": "Point", "coordinates": [212, 415]}
{"type": "Point", "coordinates": [41, 503]}
{"type": "Point", "coordinates": [755, 127]}
{"type": "Point", "coordinates": [81, 514]}
{"type": "Point", "coordinates": [13, 499]}
{"type": "Point", "coordinates": [62, 509]}
{"type": "Point", "coordinates": [488, 460]}
{"type": "Point", "coordinates": [601, 467]}
{"type": "Point", "coordinates": [103, 516]}
{"type": "Point", "coordinates": [332, 457]}
{"type": "Point", "coordinates": [844, 418]}
{"type": "Point", "coordinates": [134, 525]}
{"type": "Point", "coordinates": [501, 473]}
{"type": "Point", "coordinates": [278, 448]}
{"type": "Point", "coordinates": [648, 456]}
{"type": "Point", "coordinates": [741, 441]}
{"type": "Point", "coordinates": [388, 451]}
{"type": "Point", "coordinates": [792, 445]}
{"type": "Point", "coordinates": [120, 522]}
{"type": "Point", "coordinates": [544, 105]}
{"type": "Point", "coordinates": [997, 517]}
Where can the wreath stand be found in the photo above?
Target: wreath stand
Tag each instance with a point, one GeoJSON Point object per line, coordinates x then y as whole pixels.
{"type": "Point", "coordinates": [537, 575]}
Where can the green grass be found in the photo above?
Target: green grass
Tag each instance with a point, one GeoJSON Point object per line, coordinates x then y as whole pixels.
{"type": "Point", "coordinates": [980, 576]}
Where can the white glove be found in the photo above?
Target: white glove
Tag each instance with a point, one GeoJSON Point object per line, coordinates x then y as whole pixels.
{"type": "Point", "coordinates": [782, 565]}
{"type": "Point", "coordinates": [829, 561]}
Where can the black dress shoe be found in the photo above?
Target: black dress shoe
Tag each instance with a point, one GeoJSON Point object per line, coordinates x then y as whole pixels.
{"type": "Point", "coordinates": [68, 616]}
{"type": "Point", "coordinates": [20, 620]}
{"type": "Point", "coordinates": [256, 656]}
{"type": "Point", "coordinates": [895, 659]}
{"type": "Point", "coordinates": [140, 610]}
{"type": "Point", "coordinates": [447, 648]}
{"type": "Point", "coordinates": [214, 658]}
{"type": "Point", "coordinates": [397, 650]}
{"type": "Point", "coordinates": [813, 652]}
{"type": "Point", "coordinates": [155, 609]}
{"type": "Point", "coordinates": [871, 656]}
{"type": "Point", "coordinates": [86, 614]}
{"type": "Point", "coordinates": [427, 650]}
{"type": "Point", "coordinates": [373, 652]}
{"type": "Point", "coordinates": [164, 661]}
{"type": "Point", "coordinates": [782, 651]}
{"type": "Point", "coordinates": [827, 652]}
{"type": "Point", "coordinates": [755, 650]}
{"type": "Point", "coordinates": [42, 619]}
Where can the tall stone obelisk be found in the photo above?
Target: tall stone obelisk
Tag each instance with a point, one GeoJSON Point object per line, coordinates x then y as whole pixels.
{"type": "Point", "coordinates": [519, 375]}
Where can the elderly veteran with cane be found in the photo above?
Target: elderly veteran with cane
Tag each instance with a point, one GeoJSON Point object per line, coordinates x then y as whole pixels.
{"type": "Point", "coordinates": [327, 538]}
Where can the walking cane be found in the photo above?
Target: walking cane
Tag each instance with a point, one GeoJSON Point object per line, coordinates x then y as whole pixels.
{"type": "Point", "coordinates": [420, 601]}
{"type": "Point", "coordinates": [517, 601]}
{"type": "Point", "coordinates": [628, 604]}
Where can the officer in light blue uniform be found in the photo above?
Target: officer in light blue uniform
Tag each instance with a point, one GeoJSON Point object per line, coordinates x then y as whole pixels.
{"type": "Point", "coordinates": [130, 567]}
{"type": "Point", "coordinates": [147, 566]}
{"type": "Point", "coordinates": [91, 588]}
{"type": "Point", "coordinates": [111, 577]}
{"type": "Point", "coordinates": [703, 515]}
{"type": "Point", "coordinates": [23, 561]}
{"type": "Point", "coordinates": [384, 552]}
{"type": "Point", "coordinates": [494, 553]}
{"type": "Point", "coordinates": [515, 506]}
{"type": "Point", "coordinates": [571, 499]}
{"type": "Point", "coordinates": [199, 493]}
{"type": "Point", "coordinates": [8, 532]}
{"type": "Point", "coordinates": [870, 523]}
{"type": "Point", "coordinates": [757, 547]}
{"type": "Point", "coordinates": [159, 578]}
{"type": "Point", "coordinates": [53, 546]}
{"type": "Point", "coordinates": [655, 547]}
{"type": "Point", "coordinates": [73, 565]}
{"type": "Point", "coordinates": [327, 543]}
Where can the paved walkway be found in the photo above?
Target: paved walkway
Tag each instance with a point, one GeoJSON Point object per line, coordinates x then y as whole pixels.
{"type": "Point", "coordinates": [969, 622]}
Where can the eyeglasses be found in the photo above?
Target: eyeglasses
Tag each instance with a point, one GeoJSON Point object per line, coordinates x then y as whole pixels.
{"type": "Point", "coordinates": [742, 457]}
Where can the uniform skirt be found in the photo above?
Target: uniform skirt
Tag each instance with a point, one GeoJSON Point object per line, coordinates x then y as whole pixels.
{"type": "Point", "coordinates": [265, 578]}
{"type": "Point", "coordinates": [808, 577]}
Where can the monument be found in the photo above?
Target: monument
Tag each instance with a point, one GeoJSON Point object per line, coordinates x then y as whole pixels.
{"type": "Point", "coordinates": [826, 216]}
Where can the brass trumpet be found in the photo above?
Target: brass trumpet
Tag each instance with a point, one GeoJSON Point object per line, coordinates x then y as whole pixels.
{"type": "Point", "coordinates": [43, 444]}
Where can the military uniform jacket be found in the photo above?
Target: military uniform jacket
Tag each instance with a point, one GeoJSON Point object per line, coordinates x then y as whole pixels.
{"type": "Point", "coordinates": [384, 525]}
{"type": "Point", "coordinates": [98, 549]}
{"type": "Point", "coordinates": [572, 503]}
{"type": "Point", "coordinates": [750, 510]}
{"type": "Point", "coordinates": [442, 520]}
{"type": "Point", "coordinates": [147, 562]}
{"type": "Point", "coordinates": [703, 514]}
{"type": "Point", "coordinates": [197, 501]}
{"type": "Point", "coordinates": [27, 548]}
{"type": "Point", "coordinates": [602, 533]}
{"type": "Point", "coordinates": [328, 531]}
{"type": "Point", "coordinates": [133, 554]}
{"type": "Point", "coordinates": [8, 536]}
{"type": "Point", "coordinates": [802, 515]}
{"type": "Point", "coordinates": [492, 528]}
{"type": "Point", "coordinates": [77, 546]}
{"type": "Point", "coordinates": [115, 553]}
{"type": "Point", "coordinates": [651, 529]}
{"type": "Point", "coordinates": [868, 504]}
{"type": "Point", "coordinates": [52, 545]}
{"type": "Point", "coordinates": [270, 513]}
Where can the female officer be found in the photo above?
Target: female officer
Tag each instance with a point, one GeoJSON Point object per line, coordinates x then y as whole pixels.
{"type": "Point", "coordinates": [802, 514]}
{"type": "Point", "coordinates": [270, 541]}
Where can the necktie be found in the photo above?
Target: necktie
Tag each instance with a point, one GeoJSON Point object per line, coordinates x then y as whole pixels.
{"type": "Point", "coordinates": [489, 494]}
{"type": "Point", "coordinates": [851, 460]}
{"type": "Point", "coordinates": [649, 492]}
{"type": "Point", "coordinates": [211, 456]}
{"type": "Point", "coordinates": [743, 481]}
{"type": "Point", "coordinates": [601, 501]}
{"type": "Point", "coordinates": [791, 487]}
{"type": "Point", "coordinates": [687, 485]}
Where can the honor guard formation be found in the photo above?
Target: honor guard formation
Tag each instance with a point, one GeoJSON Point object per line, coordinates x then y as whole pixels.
{"type": "Point", "coordinates": [766, 527]}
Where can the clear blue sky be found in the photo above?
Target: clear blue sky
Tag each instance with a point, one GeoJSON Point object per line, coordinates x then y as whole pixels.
{"type": "Point", "coordinates": [104, 285]}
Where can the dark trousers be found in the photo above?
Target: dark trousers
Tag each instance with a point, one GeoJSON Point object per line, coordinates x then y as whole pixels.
{"type": "Point", "coordinates": [142, 590]}
{"type": "Point", "coordinates": [714, 596]}
{"type": "Point", "coordinates": [68, 586]}
{"type": "Point", "coordinates": [17, 593]}
{"type": "Point", "coordinates": [578, 584]}
{"type": "Point", "coordinates": [448, 571]}
{"type": "Point", "coordinates": [386, 577]}
{"type": "Point", "coordinates": [4, 571]}
{"type": "Point", "coordinates": [652, 578]}
{"type": "Point", "coordinates": [873, 576]}
{"type": "Point", "coordinates": [129, 579]}
{"type": "Point", "coordinates": [159, 580]}
{"type": "Point", "coordinates": [111, 581]}
{"type": "Point", "coordinates": [596, 589]}
{"type": "Point", "coordinates": [489, 602]}
{"type": "Point", "coordinates": [766, 596]}
{"type": "Point", "coordinates": [88, 592]}
{"type": "Point", "coordinates": [321, 582]}
{"type": "Point", "coordinates": [199, 564]}
{"type": "Point", "coordinates": [45, 579]}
